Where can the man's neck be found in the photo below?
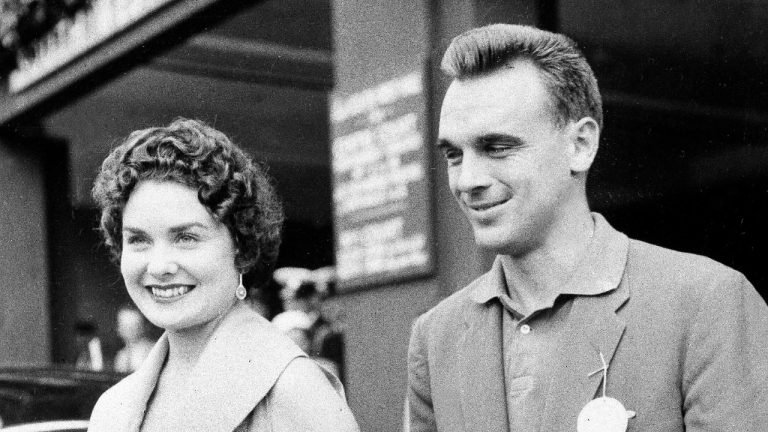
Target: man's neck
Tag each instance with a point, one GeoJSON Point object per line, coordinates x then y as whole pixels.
{"type": "Point", "coordinates": [538, 275]}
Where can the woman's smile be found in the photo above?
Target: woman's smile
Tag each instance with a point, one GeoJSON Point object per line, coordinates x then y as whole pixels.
{"type": "Point", "coordinates": [169, 292]}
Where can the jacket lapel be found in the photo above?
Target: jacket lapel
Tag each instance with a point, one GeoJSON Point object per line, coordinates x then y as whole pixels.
{"type": "Point", "coordinates": [129, 398]}
{"type": "Point", "coordinates": [484, 400]}
{"type": "Point", "coordinates": [594, 328]}
{"type": "Point", "coordinates": [238, 367]}
{"type": "Point", "coordinates": [241, 363]}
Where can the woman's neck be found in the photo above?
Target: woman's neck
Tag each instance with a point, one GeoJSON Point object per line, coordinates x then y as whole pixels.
{"type": "Point", "coordinates": [185, 347]}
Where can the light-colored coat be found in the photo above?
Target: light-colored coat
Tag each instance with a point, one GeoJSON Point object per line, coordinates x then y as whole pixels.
{"type": "Point", "coordinates": [239, 369]}
{"type": "Point", "coordinates": [686, 340]}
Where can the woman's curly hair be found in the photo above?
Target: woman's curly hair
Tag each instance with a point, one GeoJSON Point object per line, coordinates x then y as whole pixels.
{"type": "Point", "coordinates": [236, 190]}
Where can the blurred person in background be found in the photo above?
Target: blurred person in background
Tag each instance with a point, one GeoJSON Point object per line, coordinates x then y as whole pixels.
{"type": "Point", "coordinates": [187, 215]}
{"type": "Point", "coordinates": [132, 329]}
{"type": "Point", "coordinates": [296, 325]}
{"type": "Point", "coordinates": [304, 293]}
{"type": "Point", "coordinates": [91, 355]}
{"type": "Point", "coordinates": [678, 341]}
{"type": "Point", "coordinates": [259, 302]}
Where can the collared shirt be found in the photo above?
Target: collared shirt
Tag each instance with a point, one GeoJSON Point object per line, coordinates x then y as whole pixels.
{"type": "Point", "coordinates": [531, 341]}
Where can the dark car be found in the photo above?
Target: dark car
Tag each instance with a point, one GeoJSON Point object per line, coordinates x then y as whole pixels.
{"type": "Point", "coordinates": [34, 395]}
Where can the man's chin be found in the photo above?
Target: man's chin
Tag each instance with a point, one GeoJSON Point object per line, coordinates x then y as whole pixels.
{"type": "Point", "coordinates": [500, 243]}
{"type": "Point", "coordinates": [492, 243]}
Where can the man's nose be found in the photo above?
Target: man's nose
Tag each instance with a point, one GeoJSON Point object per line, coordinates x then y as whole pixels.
{"type": "Point", "coordinates": [472, 174]}
{"type": "Point", "coordinates": [162, 262]}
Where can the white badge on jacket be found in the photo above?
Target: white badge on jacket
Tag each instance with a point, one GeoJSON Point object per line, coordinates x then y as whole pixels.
{"type": "Point", "coordinates": [604, 414]}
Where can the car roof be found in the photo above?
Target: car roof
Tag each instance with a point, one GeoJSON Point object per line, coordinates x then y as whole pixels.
{"type": "Point", "coordinates": [49, 426]}
{"type": "Point", "coordinates": [36, 394]}
{"type": "Point", "coordinates": [56, 376]}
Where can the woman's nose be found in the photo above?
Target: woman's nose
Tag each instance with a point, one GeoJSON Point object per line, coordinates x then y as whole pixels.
{"type": "Point", "coordinates": [161, 262]}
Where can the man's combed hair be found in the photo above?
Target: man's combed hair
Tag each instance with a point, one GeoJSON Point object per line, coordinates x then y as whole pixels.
{"type": "Point", "coordinates": [563, 68]}
{"type": "Point", "coordinates": [235, 190]}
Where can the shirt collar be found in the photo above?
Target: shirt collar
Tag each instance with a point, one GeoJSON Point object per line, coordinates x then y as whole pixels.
{"type": "Point", "coordinates": [490, 285]}
{"type": "Point", "coordinates": [598, 272]}
{"type": "Point", "coordinates": [602, 267]}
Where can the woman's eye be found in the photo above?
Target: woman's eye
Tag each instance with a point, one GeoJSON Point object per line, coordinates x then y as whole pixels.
{"type": "Point", "coordinates": [186, 238]}
{"type": "Point", "coordinates": [136, 240]}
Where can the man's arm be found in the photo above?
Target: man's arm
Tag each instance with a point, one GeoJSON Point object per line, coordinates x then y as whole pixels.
{"type": "Point", "coordinates": [419, 411]}
{"type": "Point", "coordinates": [725, 372]}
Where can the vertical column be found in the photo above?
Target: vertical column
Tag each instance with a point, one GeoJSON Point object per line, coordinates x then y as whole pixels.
{"type": "Point", "coordinates": [458, 260]}
{"type": "Point", "coordinates": [24, 280]}
{"type": "Point", "coordinates": [457, 257]}
{"type": "Point", "coordinates": [375, 42]}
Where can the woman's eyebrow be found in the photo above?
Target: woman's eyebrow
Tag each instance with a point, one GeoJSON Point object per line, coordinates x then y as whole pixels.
{"type": "Point", "coordinates": [176, 228]}
{"type": "Point", "coordinates": [132, 230]}
{"type": "Point", "coordinates": [186, 226]}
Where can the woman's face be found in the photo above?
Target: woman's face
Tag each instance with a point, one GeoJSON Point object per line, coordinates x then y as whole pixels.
{"type": "Point", "coordinates": [178, 261]}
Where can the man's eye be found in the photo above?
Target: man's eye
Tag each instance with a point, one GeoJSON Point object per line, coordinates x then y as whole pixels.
{"type": "Point", "coordinates": [497, 150]}
{"type": "Point", "coordinates": [452, 156]}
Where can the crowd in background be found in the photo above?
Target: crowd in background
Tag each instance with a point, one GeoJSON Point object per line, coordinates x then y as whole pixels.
{"type": "Point", "coordinates": [304, 317]}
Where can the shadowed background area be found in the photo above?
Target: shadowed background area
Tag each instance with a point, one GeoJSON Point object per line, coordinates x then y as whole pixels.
{"type": "Point", "coordinates": [682, 162]}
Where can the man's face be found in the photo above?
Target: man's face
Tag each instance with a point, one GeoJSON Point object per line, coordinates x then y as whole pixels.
{"type": "Point", "coordinates": [508, 161]}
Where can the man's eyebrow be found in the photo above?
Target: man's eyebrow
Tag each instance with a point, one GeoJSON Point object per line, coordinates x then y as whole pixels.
{"type": "Point", "coordinates": [443, 144]}
{"type": "Point", "coordinates": [499, 138]}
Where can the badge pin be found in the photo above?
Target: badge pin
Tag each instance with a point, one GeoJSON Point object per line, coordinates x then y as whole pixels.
{"type": "Point", "coordinates": [604, 414]}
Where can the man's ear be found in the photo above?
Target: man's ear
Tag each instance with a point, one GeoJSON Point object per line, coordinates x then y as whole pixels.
{"type": "Point", "coordinates": [584, 137]}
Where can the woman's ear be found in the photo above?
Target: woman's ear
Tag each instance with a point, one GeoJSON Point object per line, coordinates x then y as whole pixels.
{"type": "Point", "coordinates": [584, 137]}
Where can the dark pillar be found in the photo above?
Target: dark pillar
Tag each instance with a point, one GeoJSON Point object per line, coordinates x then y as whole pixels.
{"type": "Point", "coordinates": [24, 257]}
{"type": "Point", "coordinates": [373, 43]}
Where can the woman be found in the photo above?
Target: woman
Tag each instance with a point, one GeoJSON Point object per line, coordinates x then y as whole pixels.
{"type": "Point", "coordinates": [187, 214]}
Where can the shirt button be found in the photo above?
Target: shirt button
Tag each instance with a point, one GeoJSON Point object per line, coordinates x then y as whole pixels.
{"type": "Point", "coordinates": [525, 329]}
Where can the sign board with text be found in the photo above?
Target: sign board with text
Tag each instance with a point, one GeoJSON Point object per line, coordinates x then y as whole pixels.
{"type": "Point", "coordinates": [381, 188]}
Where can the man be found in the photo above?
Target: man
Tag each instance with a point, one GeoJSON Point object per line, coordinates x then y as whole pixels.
{"type": "Point", "coordinates": [681, 340]}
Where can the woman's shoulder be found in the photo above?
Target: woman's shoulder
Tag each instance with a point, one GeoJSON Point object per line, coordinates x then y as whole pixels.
{"type": "Point", "coordinates": [306, 398]}
{"type": "Point", "coordinates": [124, 402]}
{"type": "Point", "coordinates": [115, 394]}
{"type": "Point", "coordinates": [112, 405]}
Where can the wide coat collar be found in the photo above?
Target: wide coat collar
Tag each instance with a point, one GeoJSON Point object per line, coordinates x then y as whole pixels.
{"type": "Point", "coordinates": [592, 328]}
{"type": "Point", "coordinates": [238, 367]}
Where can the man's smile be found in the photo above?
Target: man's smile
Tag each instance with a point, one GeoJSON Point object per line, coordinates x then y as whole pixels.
{"type": "Point", "coordinates": [481, 207]}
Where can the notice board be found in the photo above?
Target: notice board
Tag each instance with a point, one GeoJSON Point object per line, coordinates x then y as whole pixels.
{"type": "Point", "coordinates": [381, 187]}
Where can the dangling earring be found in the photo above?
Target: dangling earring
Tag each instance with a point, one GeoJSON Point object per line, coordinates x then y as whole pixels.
{"type": "Point", "coordinates": [240, 292]}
